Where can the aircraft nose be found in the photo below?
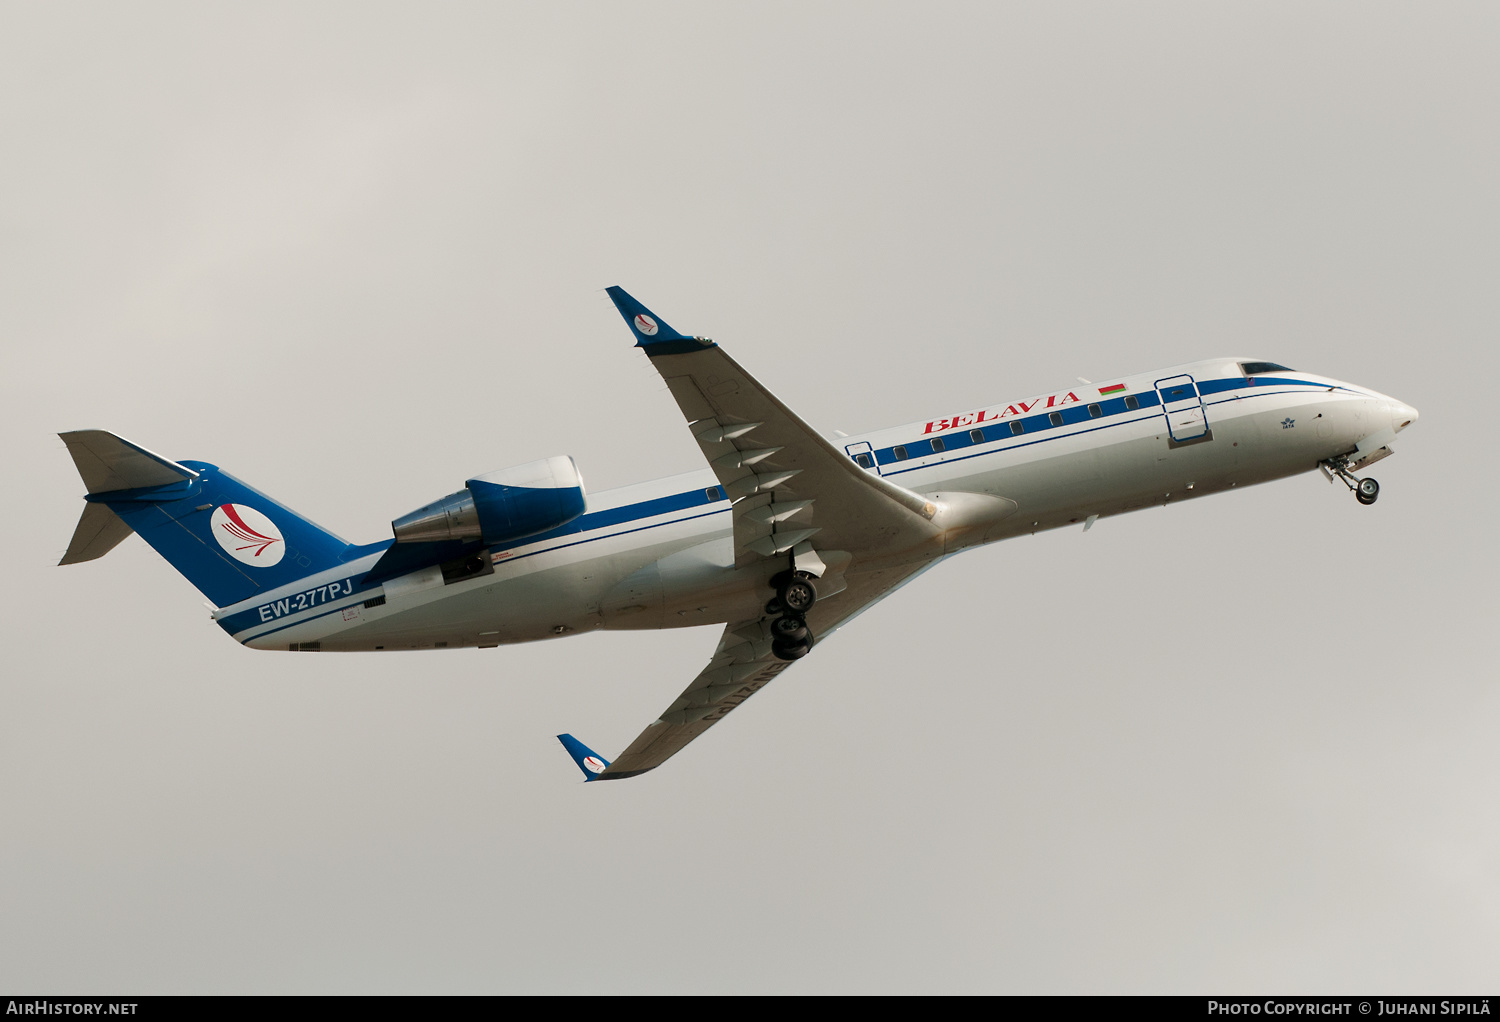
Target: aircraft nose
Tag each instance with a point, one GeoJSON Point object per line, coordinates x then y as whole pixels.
{"type": "Point", "coordinates": [1402, 415]}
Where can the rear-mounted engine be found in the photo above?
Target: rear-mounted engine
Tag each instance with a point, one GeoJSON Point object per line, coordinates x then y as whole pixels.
{"type": "Point", "coordinates": [510, 504]}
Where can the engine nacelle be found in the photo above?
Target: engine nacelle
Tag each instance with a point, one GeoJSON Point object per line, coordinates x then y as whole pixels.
{"type": "Point", "coordinates": [501, 506]}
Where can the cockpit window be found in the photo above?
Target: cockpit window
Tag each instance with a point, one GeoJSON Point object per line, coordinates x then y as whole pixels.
{"type": "Point", "coordinates": [1251, 368]}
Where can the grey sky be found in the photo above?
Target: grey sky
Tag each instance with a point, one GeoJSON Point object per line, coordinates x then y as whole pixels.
{"type": "Point", "coordinates": [355, 254]}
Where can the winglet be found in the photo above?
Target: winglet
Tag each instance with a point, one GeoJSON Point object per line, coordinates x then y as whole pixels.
{"type": "Point", "coordinates": [651, 331]}
{"type": "Point", "coordinates": [589, 761]}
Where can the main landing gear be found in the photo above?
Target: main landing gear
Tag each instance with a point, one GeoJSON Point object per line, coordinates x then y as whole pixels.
{"type": "Point", "coordinates": [795, 595]}
{"type": "Point", "coordinates": [1366, 491]}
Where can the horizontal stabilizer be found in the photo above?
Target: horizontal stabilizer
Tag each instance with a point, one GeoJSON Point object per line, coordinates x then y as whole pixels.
{"type": "Point", "coordinates": [108, 463]}
{"type": "Point", "coordinates": [589, 761]}
{"type": "Point", "coordinates": [99, 531]}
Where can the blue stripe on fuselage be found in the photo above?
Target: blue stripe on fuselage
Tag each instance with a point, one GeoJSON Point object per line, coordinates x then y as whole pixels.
{"type": "Point", "coordinates": [346, 592]}
{"type": "Point", "coordinates": [1072, 415]}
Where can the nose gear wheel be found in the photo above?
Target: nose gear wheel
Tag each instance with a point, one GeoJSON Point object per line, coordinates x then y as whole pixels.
{"type": "Point", "coordinates": [1366, 491]}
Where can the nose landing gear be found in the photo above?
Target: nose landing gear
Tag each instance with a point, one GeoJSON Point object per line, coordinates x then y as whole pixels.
{"type": "Point", "coordinates": [1366, 491]}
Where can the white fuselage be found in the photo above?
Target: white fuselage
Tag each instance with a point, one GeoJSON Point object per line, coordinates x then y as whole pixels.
{"type": "Point", "coordinates": [660, 554]}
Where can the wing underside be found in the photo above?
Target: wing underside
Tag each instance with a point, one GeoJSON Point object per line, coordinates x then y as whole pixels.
{"type": "Point", "coordinates": [742, 665]}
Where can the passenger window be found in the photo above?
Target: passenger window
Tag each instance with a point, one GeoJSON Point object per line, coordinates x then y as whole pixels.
{"type": "Point", "coordinates": [1055, 418]}
{"type": "Point", "coordinates": [937, 445]}
{"type": "Point", "coordinates": [1017, 428]}
{"type": "Point", "coordinates": [863, 461]}
{"type": "Point", "coordinates": [1132, 403]}
{"type": "Point", "coordinates": [712, 493]}
{"type": "Point", "coordinates": [1095, 411]}
{"type": "Point", "coordinates": [899, 452]}
{"type": "Point", "coordinates": [976, 435]}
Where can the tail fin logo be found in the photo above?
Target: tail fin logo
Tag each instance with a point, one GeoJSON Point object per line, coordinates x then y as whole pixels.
{"type": "Point", "coordinates": [247, 535]}
{"type": "Point", "coordinates": [593, 764]}
{"type": "Point", "coordinates": [646, 325]}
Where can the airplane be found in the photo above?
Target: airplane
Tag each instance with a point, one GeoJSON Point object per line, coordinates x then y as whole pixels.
{"type": "Point", "coordinates": [784, 536]}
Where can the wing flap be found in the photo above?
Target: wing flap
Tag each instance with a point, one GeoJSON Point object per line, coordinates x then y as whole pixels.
{"type": "Point", "coordinates": [689, 398]}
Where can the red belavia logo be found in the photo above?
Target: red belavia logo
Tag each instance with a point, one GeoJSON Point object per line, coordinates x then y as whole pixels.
{"type": "Point", "coordinates": [990, 415]}
{"type": "Point", "coordinates": [247, 535]}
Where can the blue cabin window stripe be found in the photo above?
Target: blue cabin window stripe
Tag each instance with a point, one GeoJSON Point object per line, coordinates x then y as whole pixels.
{"type": "Point", "coordinates": [1077, 413]}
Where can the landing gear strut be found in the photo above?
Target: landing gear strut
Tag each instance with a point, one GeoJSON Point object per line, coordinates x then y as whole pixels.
{"type": "Point", "coordinates": [1366, 491]}
{"type": "Point", "coordinates": [795, 595]}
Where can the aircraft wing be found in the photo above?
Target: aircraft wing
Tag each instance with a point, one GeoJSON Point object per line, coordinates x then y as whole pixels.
{"type": "Point", "coordinates": [788, 483]}
{"type": "Point", "coordinates": [741, 666]}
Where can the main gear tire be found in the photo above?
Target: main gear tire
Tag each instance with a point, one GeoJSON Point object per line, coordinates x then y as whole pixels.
{"type": "Point", "coordinates": [798, 595]}
{"type": "Point", "coordinates": [1368, 491]}
{"type": "Point", "coordinates": [794, 650]}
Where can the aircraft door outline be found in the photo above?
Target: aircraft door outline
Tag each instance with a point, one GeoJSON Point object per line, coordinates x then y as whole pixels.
{"type": "Point", "coordinates": [1182, 406]}
{"type": "Point", "coordinates": [862, 450]}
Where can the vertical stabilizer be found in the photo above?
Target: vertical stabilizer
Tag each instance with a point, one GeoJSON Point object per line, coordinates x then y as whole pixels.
{"type": "Point", "coordinates": [228, 539]}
